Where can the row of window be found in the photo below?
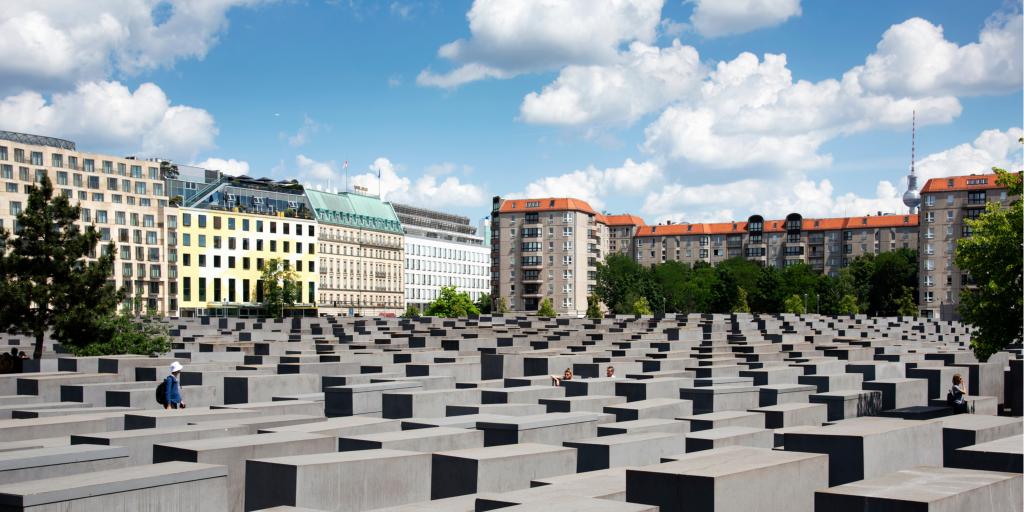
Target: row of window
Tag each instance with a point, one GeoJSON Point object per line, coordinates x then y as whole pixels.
{"type": "Point", "coordinates": [235, 290]}
{"type": "Point", "coordinates": [232, 244]}
{"type": "Point", "coordinates": [973, 197]}
{"type": "Point", "coordinates": [432, 280]}
{"type": "Point", "coordinates": [201, 261]}
{"type": "Point", "coordinates": [445, 267]}
{"type": "Point", "coordinates": [88, 164]}
{"type": "Point", "coordinates": [447, 253]}
{"type": "Point", "coordinates": [232, 224]}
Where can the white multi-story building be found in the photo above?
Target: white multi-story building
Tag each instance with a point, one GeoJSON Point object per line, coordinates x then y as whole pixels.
{"type": "Point", "coordinates": [441, 249]}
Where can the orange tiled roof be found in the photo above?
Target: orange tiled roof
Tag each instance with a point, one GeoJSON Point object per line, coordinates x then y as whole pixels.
{"type": "Point", "coordinates": [546, 204]}
{"type": "Point", "coordinates": [984, 182]}
{"type": "Point", "coordinates": [625, 219]}
{"type": "Point", "coordinates": [778, 226]}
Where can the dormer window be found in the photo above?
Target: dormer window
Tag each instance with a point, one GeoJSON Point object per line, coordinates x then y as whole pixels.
{"type": "Point", "coordinates": [949, 183]}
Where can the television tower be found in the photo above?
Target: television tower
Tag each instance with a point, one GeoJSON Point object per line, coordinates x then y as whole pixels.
{"type": "Point", "coordinates": [912, 198]}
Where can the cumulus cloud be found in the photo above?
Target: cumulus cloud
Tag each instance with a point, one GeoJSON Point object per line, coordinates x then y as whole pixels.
{"type": "Point", "coordinates": [992, 148]}
{"type": "Point", "coordinates": [309, 128]}
{"type": "Point", "coordinates": [229, 166]}
{"type": "Point", "coordinates": [50, 46]}
{"type": "Point", "coordinates": [142, 120]}
{"type": "Point", "coordinates": [643, 79]}
{"type": "Point", "coordinates": [429, 190]}
{"type": "Point", "coordinates": [596, 185]}
{"type": "Point", "coordinates": [509, 37]}
{"type": "Point", "coordinates": [716, 18]}
{"type": "Point", "coordinates": [915, 59]}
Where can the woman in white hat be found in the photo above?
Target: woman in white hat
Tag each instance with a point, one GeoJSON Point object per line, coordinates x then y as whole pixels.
{"type": "Point", "coordinates": [173, 386]}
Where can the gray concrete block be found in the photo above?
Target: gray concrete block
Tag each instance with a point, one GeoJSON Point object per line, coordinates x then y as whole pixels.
{"type": "Point", "coordinates": [1006, 454]}
{"type": "Point", "coordinates": [731, 479]}
{"type": "Point", "coordinates": [963, 430]}
{"type": "Point", "coordinates": [849, 404]}
{"type": "Point", "coordinates": [898, 392]}
{"type": "Point", "coordinates": [663, 408]}
{"type": "Point", "coordinates": [356, 399]}
{"type": "Point", "coordinates": [729, 436]}
{"type": "Point", "coordinates": [793, 415]}
{"type": "Point", "coordinates": [775, 394]}
{"type": "Point", "coordinates": [721, 398]}
{"type": "Point", "coordinates": [552, 428]}
{"type": "Point", "coordinates": [139, 443]}
{"type": "Point", "coordinates": [934, 489]}
{"type": "Point", "coordinates": [668, 426]}
{"type": "Point", "coordinates": [40, 463]}
{"type": "Point", "coordinates": [417, 440]}
{"type": "Point", "coordinates": [263, 388]}
{"type": "Point", "coordinates": [497, 468]}
{"type": "Point", "coordinates": [710, 420]}
{"type": "Point", "coordinates": [345, 481]}
{"type": "Point", "coordinates": [620, 450]}
{"type": "Point", "coordinates": [585, 403]}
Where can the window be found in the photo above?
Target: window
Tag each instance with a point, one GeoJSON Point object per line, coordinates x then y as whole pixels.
{"type": "Point", "coordinates": [567, 231]}
{"type": "Point", "coordinates": [531, 247]}
{"type": "Point", "coordinates": [976, 197]}
{"type": "Point", "coordinates": [566, 260]}
{"type": "Point", "coordinates": [202, 221]}
{"type": "Point", "coordinates": [930, 200]}
{"type": "Point", "coordinates": [929, 217]}
{"type": "Point", "coordinates": [186, 219]}
{"type": "Point", "coordinates": [186, 239]}
{"type": "Point", "coordinates": [202, 289]}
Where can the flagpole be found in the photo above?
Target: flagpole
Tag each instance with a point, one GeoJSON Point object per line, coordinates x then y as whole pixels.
{"type": "Point", "coordinates": [346, 176]}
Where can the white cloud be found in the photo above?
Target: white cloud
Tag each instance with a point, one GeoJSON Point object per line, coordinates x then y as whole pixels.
{"type": "Point", "coordinates": [230, 166]}
{"type": "Point", "coordinates": [321, 173]}
{"type": "Point", "coordinates": [50, 46]}
{"type": "Point", "coordinates": [644, 79]}
{"type": "Point", "coordinates": [510, 37]}
{"type": "Point", "coordinates": [428, 190]}
{"type": "Point", "coordinates": [915, 59]}
{"type": "Point", "coordinates": [309, 128]}
{"type": "Point", "coordinates": [780, 124]}
{"type": "Point", "coordinates": [716, 18]}
{"type": "Point", "coordinates": [992, 148]}
{"type": "Point", "coordinates": [142, 120]}
{"type": "Point", "coordinates": [595, 185]}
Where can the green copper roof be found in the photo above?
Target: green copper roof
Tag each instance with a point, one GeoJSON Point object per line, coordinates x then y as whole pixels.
{"type": "Point", "coordinates": [354, 210]}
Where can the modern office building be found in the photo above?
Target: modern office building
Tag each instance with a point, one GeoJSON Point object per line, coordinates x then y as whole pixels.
{"type": "Point", "coordinates": [229, 230]}
{"type": "Point", "coordinates": [825, 244]}
{"type": "Point", "coordinates": [945, 204]}
{"type": "Point", "coordinates": [545, 248]}
{"type": "Point", "coordinates": [442, 249]}
{"type": "Point", "coordinates": [361, 255]}
{"type": "Point", "coordinates": [123, 197]}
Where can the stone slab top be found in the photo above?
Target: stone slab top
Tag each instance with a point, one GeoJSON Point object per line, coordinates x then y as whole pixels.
{"type": "Point", "coordinates": [623, 439]}
{"type": "Point", "coordinates": [159, 432]}
{"type": "Point", "coordinates": [551, 419]}
{"type": "Point", "coordinates": [611, 477]}
{"type": "Point", "coordinates": [728, 460]}
{"type": "Point", "coordinates": [720, 415]}
{"type": "Point", "coordinates": [264, 405]}
{"type": "Point", "coordinates": [725, 432]}
{"type": "Point", "coordinates": [583, 398]}
{"type": "Point", "coordinates": [198, 412]}
{"type": "Point", "coordinates": [56, 420]}
{"type": "Point", "coordinates": [220, 443]}
{"type": "Point", "coordinates": [85, 485]}
{"type": "Point", "coordinates": [649, 403]}
{"type": "Point", "coordinates": [415, 433]}
{"type": "Point", "coordinates": [922, 484]}
{"type": "Point", "coordinates": [788, 388]}
{"type": "Point", "coordinates": [319, 459]}
{"type": "Point", "coordinates": [51, 456]}
{"type": "Point", "coordinates": [867, 427]}
{"type": "Point", "coordinates": [506, 451]}
{"type": "Point", "coordinates": [374, 386]}
{"type": "Point", "coordinates": [463, 422]}
{"type": "Point", "coordinates": [1011, 445]}
{"type": "Point", "coordinates": [849, 394]}
{"type": "Point", "coordinates": [464, 503]}
{"type": "Point", "coordinates": [645, 422]}
{"type": "Point", "coordinates": [723, 389]}
{"type": "Point", "coordinates": [792, 406]}
{"type": "Point", "coordinates": [977, 421]}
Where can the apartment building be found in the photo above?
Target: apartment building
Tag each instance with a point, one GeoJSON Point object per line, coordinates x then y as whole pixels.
{"type": "Point", "coordinates": [361, 254]}
{"type": "Point", "coordinates": [545, 248]}
{"type": "Point", "coordinates": [945, 204]}
{"type": "Point", "coordinates": [621, 230]}
{"type": "Point", "coordinates": [228, 231]}
{"type": "Point", "coordinates": [825, 244]}
{"type": "Point", "coordinates": [123, 197]}
{"type": "Point", "coordinates": [442, 249]}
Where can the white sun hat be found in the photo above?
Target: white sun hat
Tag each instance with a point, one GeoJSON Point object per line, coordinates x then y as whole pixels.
{"type": "Point", "coordinates": [176, 367]}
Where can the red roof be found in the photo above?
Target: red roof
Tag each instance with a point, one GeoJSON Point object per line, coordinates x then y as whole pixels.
{"type": "Point", "coordinates": [625, 219]}
{"type": "Point", "coordinates": [954, 183]}
{"type": "Point", "coordinates": [778, 226]}
{"type": "Point", "coordinates": [547, 204]}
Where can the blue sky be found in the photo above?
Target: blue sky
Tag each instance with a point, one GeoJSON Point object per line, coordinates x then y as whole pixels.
{"type": "Point", "coordinates": [630, 108]}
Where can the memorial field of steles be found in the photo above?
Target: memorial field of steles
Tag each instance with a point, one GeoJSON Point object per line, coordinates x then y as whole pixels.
{"type": "Point", "coordinates": [700, 413]}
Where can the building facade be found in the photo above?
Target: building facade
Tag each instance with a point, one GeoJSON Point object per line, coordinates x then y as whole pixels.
{"type": "Point", "coordinates": [228, 232]}
{"type": "Point", "coordinates": [945, 204]}
{"type": "Point", "coordinates": [826, 245]}
{"type": "Point", "coordinates": [441, 249]}
{"type": "Point", "coordinates": [545, 248]}
{"type": "Point", "coordinates": [124, 198]}
{"type": "Point", "coordinates": [361, 255]}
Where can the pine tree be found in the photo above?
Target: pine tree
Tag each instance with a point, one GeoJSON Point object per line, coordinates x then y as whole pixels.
{"type": "Point", "coordinates": [48, 282]}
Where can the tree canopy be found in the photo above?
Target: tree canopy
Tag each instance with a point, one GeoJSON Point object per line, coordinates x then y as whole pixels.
{"type": "Point", "coordinates": [451, 303]}
{"type": "Point", "coordinates": [49, 282]}
{"type": "Point", "coordinates": [991, 256]}
{"type": "Point", "coordinates": [280, 287]}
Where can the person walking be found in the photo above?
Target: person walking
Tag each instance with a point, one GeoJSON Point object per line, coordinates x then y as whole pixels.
{"type": "Point", "coordinates": [173, 387]}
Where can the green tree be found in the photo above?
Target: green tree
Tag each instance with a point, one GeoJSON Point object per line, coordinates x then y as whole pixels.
{"type": "Point", "coordinates": [767, 296]}
{"type": "Point", "coordinates": [451, 303]}
{"type": "Point", "coordinates": [280, 287]}
{"type": "Point", "coordinates": [795, 304]}
{"type": "Point", "coordinates": [594, 307]}
{"type": "Point", "coordinates": [620, 280]}
{"type": "Point", "coordinates": [669, 279]}
{"type": "Point", "coordinates": [741, 302]}
{"type": "Point", "coordinates": [483, 304]}
{"type": "Point", "coordinates": [743, 272]}
{"type": "Point", "coordinates": [893, 282]}
{"type": "Point", "coordinates": [992, 258]}
{"type": "Point", "coordinates": [411, 311]}
{"type": "Point", "coordinates": [848, 305]}
{"type": "Point", "coordinates": [124, 334]}
{"type": "Point", "coordinates": [641, 307]}
{"type": "Point", "coordinates": [502, 307]}
{"type": "Point", "coordinates": [699, 292]}
{"type": "Point", "coordinates": [546, 309]}
{"type": "Point", "coordinates": [47, 281]}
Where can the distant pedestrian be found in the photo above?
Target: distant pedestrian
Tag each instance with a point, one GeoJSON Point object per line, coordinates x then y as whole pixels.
{"type": "Point", "coordinates": [610, 372]}
{"type": "Point", "coordinates": [957, 396]}
{"type": "Point", "coordinates": [567, 375]}
{"type": "Point", "coordinates": [172, 385]}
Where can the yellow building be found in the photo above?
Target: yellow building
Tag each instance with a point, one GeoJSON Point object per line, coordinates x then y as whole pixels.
{"type": "Point", "coordinates": [221, 253]}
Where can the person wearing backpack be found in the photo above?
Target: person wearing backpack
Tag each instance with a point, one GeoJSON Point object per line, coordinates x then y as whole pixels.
{"type": "Point", "coordinates": [168, 393]}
